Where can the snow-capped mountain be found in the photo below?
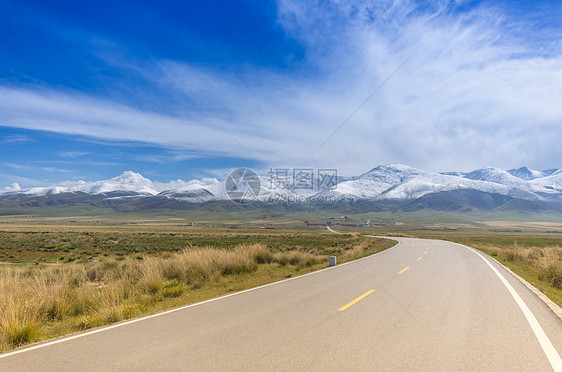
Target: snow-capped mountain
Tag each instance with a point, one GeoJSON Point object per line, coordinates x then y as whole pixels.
{"type": "Point", "coordinates": [397, 181]}
{"type": "Point", "coordinates": [496, 175]}
{"type": "Point", "coordinates": [128, 181]}
{"type": "Point", "coordinates": [197, 191]}
{"type": "Point", "coordinates": [529, 174]}
{"type": "Point", "coordinates": [394, 182]}
{"type": "Point", "coordinates": [551, 182]}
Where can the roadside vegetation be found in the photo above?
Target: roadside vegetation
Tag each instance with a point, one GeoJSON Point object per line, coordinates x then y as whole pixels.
{"type": "Point", "coordinates": [57, 282]}
{"type": "Point", "coordinates": [539, 261]}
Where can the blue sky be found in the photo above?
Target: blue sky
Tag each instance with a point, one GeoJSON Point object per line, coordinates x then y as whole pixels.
{"type": "Point", "coordinates": [81, 97]}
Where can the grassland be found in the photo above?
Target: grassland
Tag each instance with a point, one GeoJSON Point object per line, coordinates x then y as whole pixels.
{"type": "Point", "coordinates": [62, 274]}
{"type": "Point", "coordinates": [61, 278]}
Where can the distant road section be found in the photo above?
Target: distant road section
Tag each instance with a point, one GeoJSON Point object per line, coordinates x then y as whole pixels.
{"type": "Point", "coordinates": [423, 305]}
{"type": "Point", "coordinates": [332, 230]}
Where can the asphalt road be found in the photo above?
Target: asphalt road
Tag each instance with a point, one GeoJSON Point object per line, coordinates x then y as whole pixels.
{"type": "Point", "coordinates": [422, 305]}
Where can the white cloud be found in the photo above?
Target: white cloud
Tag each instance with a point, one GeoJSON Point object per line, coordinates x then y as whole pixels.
{"type": "Point", "coordinates": [475, 93]}
{"type": "Point", "coordinates": [13, 187]}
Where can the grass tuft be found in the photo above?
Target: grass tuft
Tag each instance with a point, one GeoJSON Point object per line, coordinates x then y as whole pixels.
{"type": "Point", "coordinates": [172, 288]}
{"type": "Point", "coordinates": [41, 301]}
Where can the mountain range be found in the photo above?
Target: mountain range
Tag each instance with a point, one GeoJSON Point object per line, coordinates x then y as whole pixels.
{"type": "Point", "coordinates": [393, 186]}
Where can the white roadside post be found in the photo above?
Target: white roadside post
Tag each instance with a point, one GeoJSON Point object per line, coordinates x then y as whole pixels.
{"type": "Point", "coordinates": [332, 261]}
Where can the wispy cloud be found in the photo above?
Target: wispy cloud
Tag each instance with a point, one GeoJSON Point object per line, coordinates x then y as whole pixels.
{"type": "Point", "coordinates": [15, 139]}
{"type": "Point", "coordinates": [71, 154]}
{"type": "Point", "coordinates": [23, 180]}
{"type": "Point", "coordinates": [74, 162]}
{"type": "Point", "coordinates": [17, 166]}
{"type": "Point", "coordinates": [171, 157]}
{"type": "Point", "coordinates": [477, 92]}
{"type": "Point", "coordinates": [61, 170]}
{"type": "Point", "coordinates": [82, 115]}
{"type": "Point", "coordinates": [105, 163]}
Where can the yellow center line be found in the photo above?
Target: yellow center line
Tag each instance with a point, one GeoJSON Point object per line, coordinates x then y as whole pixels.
{"type": "Point", "coordinates": [425, 252]}
{"type": "Point", "coordinates": [419, 258]}
{"type": "Point", "coordinates": [356, 300]}
{"type": "Point", "coordinates": [404, 269]}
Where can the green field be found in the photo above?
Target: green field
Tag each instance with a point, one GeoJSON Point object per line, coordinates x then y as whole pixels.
{"type": "Point", "coordinates": [61, 245]}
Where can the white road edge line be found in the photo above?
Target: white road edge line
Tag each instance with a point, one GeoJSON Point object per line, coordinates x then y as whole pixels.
{"type": "Point", "coordinates": [544, 341]}
{"type": "Point", "coordinates": [127, 322]}
{"type": "Point", "coordinates": [554, 307]}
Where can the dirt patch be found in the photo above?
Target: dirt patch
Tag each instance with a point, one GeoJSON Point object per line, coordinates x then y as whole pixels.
{"type": "Point", "coordinates": [524, 225]}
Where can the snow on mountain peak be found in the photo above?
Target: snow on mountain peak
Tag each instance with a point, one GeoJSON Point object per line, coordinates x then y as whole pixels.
{"type": "Point", "coordinates": [552, 182]}
{"type": "Point", "coordinates": [392, 168]}
{"type": "Point", "coordinates": [127, 181]}
{"type": "Point", "coordinates": [395, 181]}
{"type": "Point", "coordinates": [526, 174]}
{"type": "Point", "coordinates": [196, 191]}
{"type": "Point", "coordinates": [495, 175]}
{"type": "Point", "coordinates": [391, 173]}
{"type": "Point", "coordinates": [391, 181]}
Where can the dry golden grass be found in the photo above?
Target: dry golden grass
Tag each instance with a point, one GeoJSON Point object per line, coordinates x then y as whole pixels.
{"type": "Point", "coordinates": [107, 291]}
{"type": "Point", "coordinates": [41, 301]}
{"type": "Point", "coordinates": [546, 260]}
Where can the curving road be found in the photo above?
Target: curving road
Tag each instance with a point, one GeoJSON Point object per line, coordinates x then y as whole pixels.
{"type": "Point", "coordinates": [422, 305]}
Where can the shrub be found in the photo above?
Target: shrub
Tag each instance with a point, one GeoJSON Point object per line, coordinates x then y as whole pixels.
{"type": "Point", "coordinates": [511, 257]}
{"type": "Point", "coordinates": [21, 333]}
{"type": "Point", "coordinates": [84, 322]}
{"type": "Point", "coordinates": [18, 322]}
{"type": "Point", "coordinates": [172, 288]}
{"type": "Point", "coordinates": [261, 254]}
{"type": "Point", "coordinates": [553, 274]}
